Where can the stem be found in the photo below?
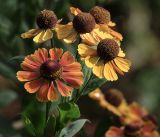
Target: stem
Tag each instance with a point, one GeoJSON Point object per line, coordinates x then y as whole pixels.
{"type": "Point", "coordinates": [52, 44]}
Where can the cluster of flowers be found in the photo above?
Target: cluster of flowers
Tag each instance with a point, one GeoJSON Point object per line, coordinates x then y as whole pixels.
{"type": "Point", "coordinates": [50, 72]}
{"type": "Point", "coordinates": [135, 121]}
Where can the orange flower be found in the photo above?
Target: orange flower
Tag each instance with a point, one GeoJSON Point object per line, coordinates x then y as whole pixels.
{"type": "Point", "coordinates": [45, 73]}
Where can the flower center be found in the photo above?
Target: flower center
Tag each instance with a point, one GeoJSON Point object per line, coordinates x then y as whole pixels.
{"type": "Point", "coordinates": [50, 70]}
{"type": "Point", "coordinates": [101, 15]}
{"type": "Point", "coordinates": [84, 23]}
{"type": "Point", "coordinates": [46, 19]}
{"type": "Point", "coordinates": [133, 130]}
{"type": "Point", "coordinates": [114, 97]}
{"type": "Point", "coordinates": [107, 49]}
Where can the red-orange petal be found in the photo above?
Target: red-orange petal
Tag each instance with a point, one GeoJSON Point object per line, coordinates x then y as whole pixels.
{"type": "Point", "coordinates": [63, 89]}
{"type": "Point", "coordinates": [42, 93]}
{"type": "Point", "coordinates": [67, 59]}
{"type": "Point", "coordinates": [74, 67]}
{"type": "Point", "coordinates": [55, 53]}
{"type": "Point", "coordinates": [27, 76]}
{"type": "Point", "coordinates": [114, 132]}
{"type": "Point", "coordinates": [33, 86]}
{"type": "Point", "coordinates": [52, 93]}
{"type": "Point", "coordinates": [41, 55]}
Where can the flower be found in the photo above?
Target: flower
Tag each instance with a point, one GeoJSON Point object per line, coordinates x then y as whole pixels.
{"type": "Point", "coordinates": [105, 57]}
{"type": "Point", "coordinates": [103, 19]}
{"type": "Point", "coordinates": [46, 22]}
{"type": "Point", "coordinates": [45, 73]}
{"type": "Point", "coordinates": [83, 25]}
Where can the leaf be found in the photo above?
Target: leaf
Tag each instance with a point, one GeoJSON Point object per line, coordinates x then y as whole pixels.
{"type": "Point", "coordinates": [68, 111]}
{"type": "Point", "coordinates": [93, 84]}
{"type": "Point", "coordinates": [6, 97]}
{"type": "Point", "coordinates": [29, 126]}
{"type": "Point", "coordinates": [73, 128]}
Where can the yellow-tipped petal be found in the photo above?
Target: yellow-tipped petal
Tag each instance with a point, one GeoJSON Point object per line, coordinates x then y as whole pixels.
{"type": "Point", "coordinates": [75, 11]}
{"type": "Point", "coordinates": [121, 53]}
{"type": "Point", "coordinates": [98, 69]}
{"type": "Point", "coordinates": [71, 37]}
{"type": "Point", "coordinates": [84, 50]}
{"type": "Point", "coordinates": [29, 34]}
{"type": "Point", "coordinates": [122, 64]}
{"type": "Point", "coordinates": [39, 37]}
{"type": "Point", "coordinates": [111, 24]}
{"type": "Point", "coordinates": [109, 72]}
{"type": "Point", "coordinates": [91, 61]}
{"type": "Point", "coordinates": [47, 35]}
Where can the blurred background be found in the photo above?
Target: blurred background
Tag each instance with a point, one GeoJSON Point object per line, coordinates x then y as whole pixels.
{"type": "Point", "coordinates": [137, 20]}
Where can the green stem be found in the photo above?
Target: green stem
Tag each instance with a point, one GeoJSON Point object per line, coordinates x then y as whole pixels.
{"type": "Point", "coordinates": [52, 44]}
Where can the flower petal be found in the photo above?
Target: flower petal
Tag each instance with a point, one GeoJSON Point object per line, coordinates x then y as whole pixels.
{"type": "Point", "coordinates": [91, 61]}
{"type": "Point", "coordinates": [41, 55]}
{"type": "Point", "coordinates": [42, 93]}
{"type": "Point", "coordinates": [31, 33]}
{"type": "Point", "coordinates": [55, 53]}
{"type": "Point", "coordinates": [47, 35]}
{"type": "Point", "coordinates": [114, 132]}
{"type": "Point", "coordinates": [74, 67]}
{"type": "Point", "coordinates": [84, 50]}
{"type": "Point", "coordinates": [52, 93]}
{"type": "Point", "coordinates": [122, 64]}
{"type": "Point", "coordinates": [75, 11]}
{"type": "Point", "coordinates": [39, 37]}
{"type": "Point", "coordinates": [109, 72]}
{"type": "Point", "coordinates": [27, 76]}
{"type": "Point", "coordinates": [67, 58]}
{"type": "Point", "coordinates": [121, 53]}
{"type": "Point", "coordinates": [63, 89]}
{"type": "Point", "coordinates": [98, 69]}
{"type": "Point", "coordinates": [33, 86]}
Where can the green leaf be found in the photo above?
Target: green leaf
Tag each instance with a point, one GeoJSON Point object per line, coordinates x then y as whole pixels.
{"type": "Point", "coordinates": [93, 83]}
{"type": "Point", "coordinates": [67, 112]}
{"type": "Point", "coordinates": [73, 128]}
{"type": "Point", "coordinates": [29, 126]}
{"type": "Point", "coordinates": [6, 97]}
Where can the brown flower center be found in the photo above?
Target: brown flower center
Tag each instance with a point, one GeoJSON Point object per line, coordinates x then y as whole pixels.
{"type": "Point", "coordinates": [108, 49]}
{"type": "Point", "coordinates": [50, 70]}
{"type": "Point", "coordinates": [133, 130]}
{"type": "Point", "coordinates": [84, 23]}
{"type": "Point", "coordinates": [46, 19]}
{"type": "Point", "coordinates": [101, 15]}
{"type": "Point", "coordinates": [114, 97]}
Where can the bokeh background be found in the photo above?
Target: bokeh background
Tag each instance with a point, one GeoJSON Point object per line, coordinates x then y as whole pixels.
{"type": "Point", "coordinates": [137, 20]}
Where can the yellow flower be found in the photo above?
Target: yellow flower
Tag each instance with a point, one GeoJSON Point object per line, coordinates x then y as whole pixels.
{"type": "Point", "coordinates": [46, 22]}
{"type": "Point", "coordinates": [105, 58]}
{"type": "Point", "coordinates": [103, 19]}
{"type": "Point", "coordinates": [83, 26]}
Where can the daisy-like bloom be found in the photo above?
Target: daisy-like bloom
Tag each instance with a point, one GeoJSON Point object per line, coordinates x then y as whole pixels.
{"type": "Point", "coordinates": [105, 58]}
{"type": "Point", "coordinates": [83, 26]}
{"type": "Point", "coordinates": [46, 73]}
{"type": "Point", "coordinates": [103, 19]}
{"type": "Point", "coordinates": [46, 22]}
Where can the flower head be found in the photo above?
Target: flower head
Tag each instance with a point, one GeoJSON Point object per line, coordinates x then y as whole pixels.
{"type": "Point", "coordinates": [103, 19]}
{"type": "Point", "coordinates": [46, 22]}
{"type": "Point", "coordinates": [105, 57]}
{"type": "Point", "coordinates": [46, 73]}
{"type": "Point", "coordinates": [83, 25]}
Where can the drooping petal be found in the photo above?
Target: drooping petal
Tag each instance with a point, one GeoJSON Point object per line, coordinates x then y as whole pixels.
{"type": "Point", "coordinates": [116, 68]}
{"type": "Point", "coordinates": [75, 79]}
{"type": "Point", "coordinates": [84, 50]}
{"type": "Point", "coordinates": [41, 55]}
{"type": "Point", "coordinates": [33, 86]}
{"type": "Point", "coordinates": [63, 89]}
{"type": "Point", "coordinates": [115, 34]}
{"type": "Point", "coordinates": [39, 38]}
{"type": "Point", "coordinates": [55, 53]}
{"type": "Point", "coordinates": [52, 93]}
{"type": "Point", "coordinates": [122, 64]}
{"type": "Point", "coordinates": [27, 76]}
{"type": "Point", "coordinates": [91, 61]}
{"type": "Point", "coordinates": [89, 39]}
{"type": "Point", "coordinates": [67, 58]}
{"type": "Point", "coordinates": [74, 67]}
{"type": "Point", "coordinates": [42, 93]}
{"type": "Point", "coordinates": [66, 32]}
{"type": "Point", "coordinates": [47, 35]}
{"type": "Point", "coordinates": [121, 53]}
{"type": "Point", "coordinates": [75, 11]}
{"type": "Point", "coordinates": [98, 69]}
{"type": "Point", "coordinates": [31, 33]}
{"type": "Point", "coordinates": [109, 72]}
{"type": "Point", "coordinates": [114, 132]}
